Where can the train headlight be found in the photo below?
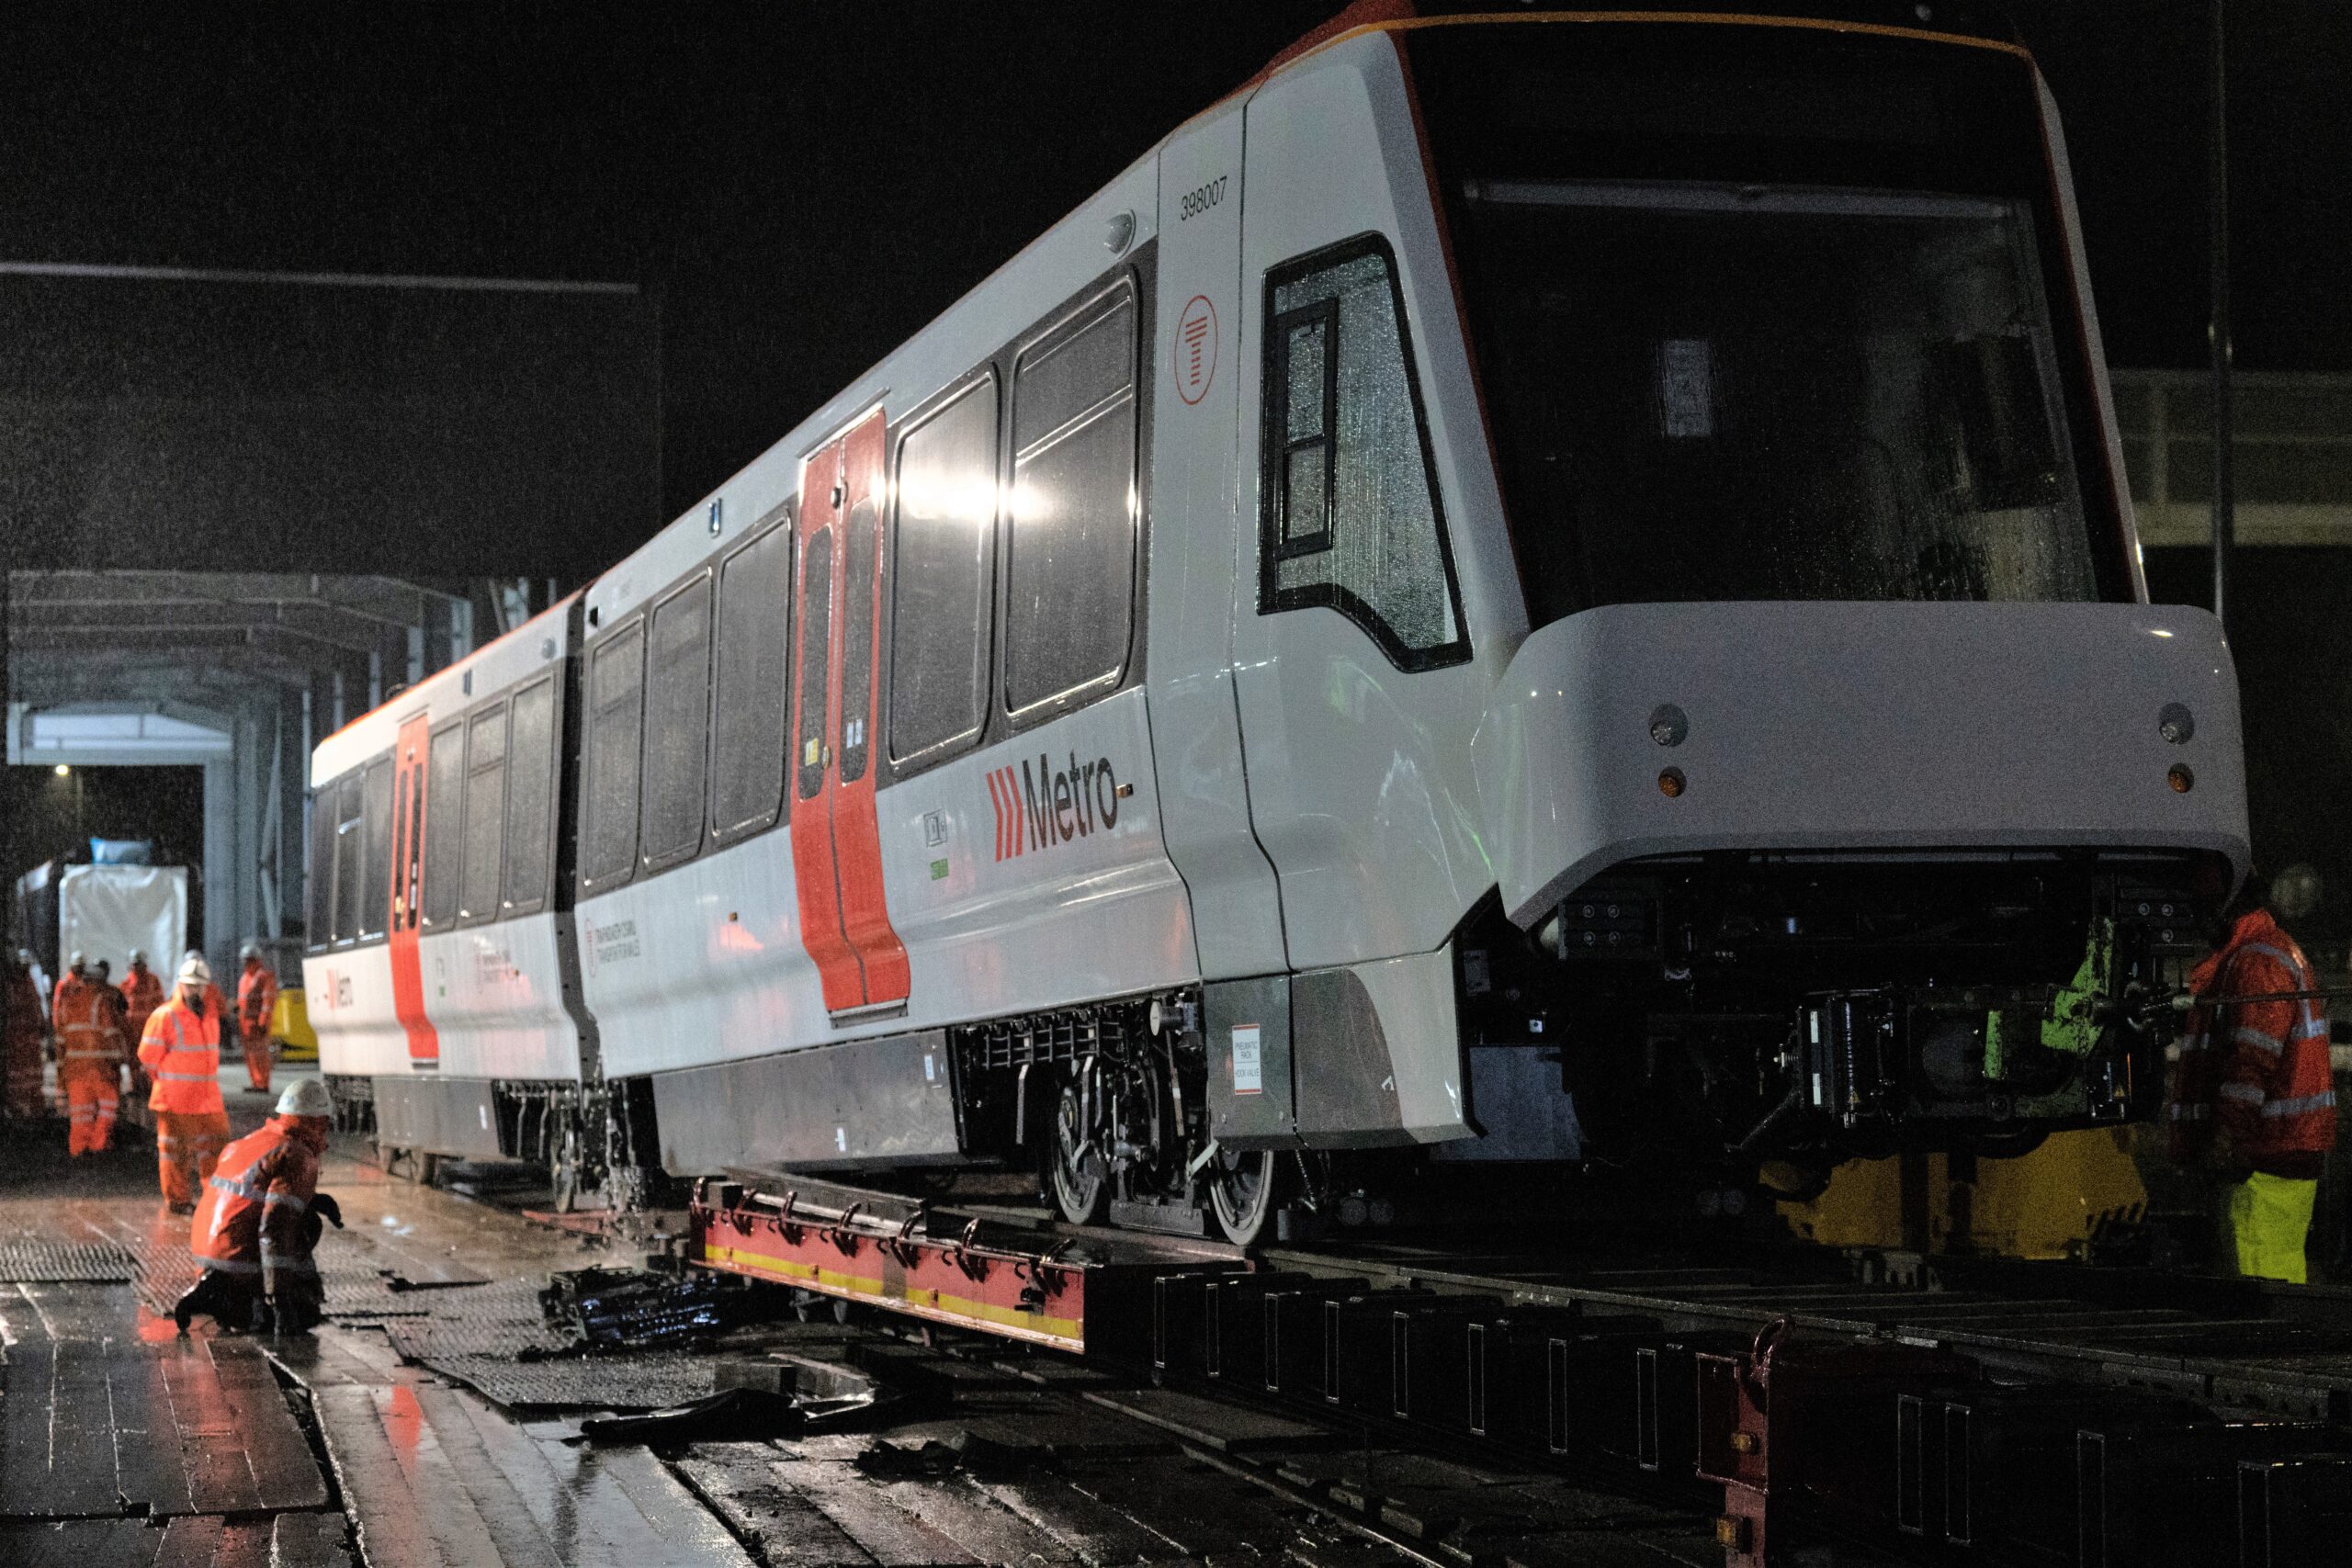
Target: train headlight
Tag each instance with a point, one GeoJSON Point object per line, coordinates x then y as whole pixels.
{"type": "Point", "coordinates": [2181, 778]}
{"type": "Point", "coordinates": [1671, 784]}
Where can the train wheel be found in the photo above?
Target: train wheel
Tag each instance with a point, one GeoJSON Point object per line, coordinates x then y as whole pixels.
{"type": "Point", "coordinates": [1079, 1190]}
{"type": "Point", "coordinates": [1242, 1191]}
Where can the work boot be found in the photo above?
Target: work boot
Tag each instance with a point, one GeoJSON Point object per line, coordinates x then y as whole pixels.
{"type": "Point", "coordinates": [194, 1300]}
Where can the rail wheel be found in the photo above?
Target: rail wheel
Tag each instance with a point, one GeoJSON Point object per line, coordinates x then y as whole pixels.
{"type": "Point", "coordinates": [1241, 1192]}
{"type": "Point", "coordinates": [1080, 1182]}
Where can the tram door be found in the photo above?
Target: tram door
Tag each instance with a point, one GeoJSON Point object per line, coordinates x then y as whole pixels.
{"type": "Point", "coordinates": [409, 756]}
{"type": "Point", "coordinates": [836, 841]}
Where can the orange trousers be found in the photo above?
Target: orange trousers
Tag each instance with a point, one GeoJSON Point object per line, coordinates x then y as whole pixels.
{"type": "Point", "coordinates": [188, 1146]}
{"type": "Point", "coordinates": [257, 1058]}
{"type": "Point", "coordinates": [90, 1105]}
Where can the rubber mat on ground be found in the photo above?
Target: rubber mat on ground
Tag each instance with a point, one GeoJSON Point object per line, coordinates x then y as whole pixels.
{"type": "Point", "coordinates": [646, 1381]}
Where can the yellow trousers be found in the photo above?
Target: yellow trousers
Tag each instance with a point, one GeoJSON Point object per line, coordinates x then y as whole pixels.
{"type": "Point", "coordinates": [2270, 1217]}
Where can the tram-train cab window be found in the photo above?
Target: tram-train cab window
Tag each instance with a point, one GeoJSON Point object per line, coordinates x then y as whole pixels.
{"type": "Point", "coordinates": [1707, 391]}
{"type": "Point", "coordinates": [376, 848]}
{"type": "Point", "coordinates": [485, 812]}
{"type": "Point", "coordinates": [530, 789]}
{"type": "Point", "coordinates": [350, 841]}
{"type": "Point", "coordinates": [943, 551]}
{"type": "Point", "coordinates": [444, 816]}
{"type": "Point", "coordinates": [1070, 599]}
{"type": "Point", "coordinates": [1349, 495]}
{"type": "Point", "coordinates": [677, 726]}
{"type": "Point", "coordinates": [615, 717]}
{"type": "Point", "coordinates": [748, 671]}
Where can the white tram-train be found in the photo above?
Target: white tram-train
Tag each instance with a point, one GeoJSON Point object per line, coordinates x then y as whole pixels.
{"type": "Point", "coordinates": [1537, 589]}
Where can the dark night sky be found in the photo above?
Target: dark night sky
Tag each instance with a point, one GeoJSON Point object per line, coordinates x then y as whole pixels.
{"type": "Point", "coordinates": [804, 185]}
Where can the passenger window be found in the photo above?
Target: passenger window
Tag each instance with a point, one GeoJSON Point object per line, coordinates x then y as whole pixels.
{"type": "Point", "coordinates": [444, 816]}
{"type": "Point", "coordinates": [530, 763]}
{"type": "Point", "coordinates": [615, 717]}
{"type": "Point", "coordinates": [318, 885]}
{"type": "Point", "coordinates": [1070, 606]}
{"type": "Point", "coordinates": [485, 808]}
{"type": "Point", "coordinates": [376, 852]}
{"type": "Point", "coordinates": [1351, 513]}
{"type": "Point", "coordinates": [943, 554]}
{"type": "Point", "coordinates": [349, 841]}
{"type": "Point", "coordinates": [816, 628]}
{"type": "Point", "coordinates": [858, 594]}
{"type": "Point", "coordinates": [747, 736]}
{"type": "Point", "coordinates": [677, 726]}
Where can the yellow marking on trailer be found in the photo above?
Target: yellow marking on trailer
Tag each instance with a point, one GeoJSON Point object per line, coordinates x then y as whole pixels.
{"type": "Point", "coordinates": [913, 1299]}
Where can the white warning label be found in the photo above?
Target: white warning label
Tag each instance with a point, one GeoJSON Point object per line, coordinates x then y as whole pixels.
{"type": "Point", "coordinates": [1249, 1073]}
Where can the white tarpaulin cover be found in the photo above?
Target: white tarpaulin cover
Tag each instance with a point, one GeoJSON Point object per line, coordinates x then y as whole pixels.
{"type": "Point", "coordinates": [104, 911]}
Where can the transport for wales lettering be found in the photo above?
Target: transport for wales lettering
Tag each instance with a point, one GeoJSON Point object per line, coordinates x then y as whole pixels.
{"type": "Point", "coordinates": [1036, 809]}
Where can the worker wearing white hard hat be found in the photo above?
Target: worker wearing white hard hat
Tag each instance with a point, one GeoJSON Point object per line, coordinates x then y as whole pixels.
{"type": "Point", "coordinates": [181, 1051]}
{"type": "Point", "coordinates": [260, 1220]}
{"type": "Point", "coordinates": [256, 1008]}
{"type": "Point", "coordinates": [89, 1058]}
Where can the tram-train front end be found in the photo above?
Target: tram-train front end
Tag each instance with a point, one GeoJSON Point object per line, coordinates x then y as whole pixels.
{"type": "Point", "coordinates": [1845, 789]}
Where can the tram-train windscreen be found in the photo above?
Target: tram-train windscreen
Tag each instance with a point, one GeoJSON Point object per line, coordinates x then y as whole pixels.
{"type": "Point", "coordinates": [1759, 392]}
{"type": "Point", "coordinates": [1769, 314]}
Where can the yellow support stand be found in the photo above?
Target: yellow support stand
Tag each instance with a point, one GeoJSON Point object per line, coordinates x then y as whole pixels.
{"type": "Point", "coordinates": [289, 1025]}
{"type": "Point", "coordinates": [2045, 1205]}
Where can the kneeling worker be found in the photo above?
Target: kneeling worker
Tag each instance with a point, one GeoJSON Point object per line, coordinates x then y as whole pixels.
{"type": "Point", "coordinates": [260, 1221]}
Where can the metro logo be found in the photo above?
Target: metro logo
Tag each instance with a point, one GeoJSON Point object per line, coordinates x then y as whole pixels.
{"type": "Point", "coordinates": [1038, 809]}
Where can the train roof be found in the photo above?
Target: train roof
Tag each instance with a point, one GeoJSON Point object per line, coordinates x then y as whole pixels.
{"type": "Point", "coordinates": [506, 661]}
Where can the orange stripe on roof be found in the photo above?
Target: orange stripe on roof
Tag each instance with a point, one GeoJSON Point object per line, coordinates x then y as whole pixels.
{"type": "Point", "coordinates": [1377, 17]}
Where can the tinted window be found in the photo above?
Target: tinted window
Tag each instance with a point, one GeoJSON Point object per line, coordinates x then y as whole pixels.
{"type": "Point", "coordinates": [349, 843]}
{"type": "Point", "coordinates": [940, 571]}
{"type": "Point", "coordinates": [857, 635]}
{"type": "Point", "coordinates": [445, 841]}
{"type": "Point", "coordinates": [485, 803]}
{"type": "Point", "coordinates": [1072, 569]}
{"type": "Point", "coordinates": [1775, 393]}
{"type": "Point", "coordinates": [530, 765]}
{"type": "Point", "coordinates": [608, 843]}
{"type": "Point", "coordinates": [677, 709]}
{"type": "Point", "coordinates": [748, 711]}
{"type": "Point", "coordinates": [376, 853]}
{"type": "Point", "coordinates": [318, 884]}
{"type": "Point", "coordinates": [816, 627]}
{"type": "Point", "coordinates": [1351, 512]}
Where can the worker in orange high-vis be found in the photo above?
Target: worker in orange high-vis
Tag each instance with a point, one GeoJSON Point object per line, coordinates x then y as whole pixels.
{"type": "Point", "coordinates": [142, 992]}
{"type": "Point", "coordinates": [256, 1005]}
{"type": "Point", "coordinates": [2251, 1094]}
{"type": "Point", "coordinates": [181, 1051]}
{"type": "Point", "coordinates": [89, 1058]}
{"type": "Point", "coordinates": [260, 1220]}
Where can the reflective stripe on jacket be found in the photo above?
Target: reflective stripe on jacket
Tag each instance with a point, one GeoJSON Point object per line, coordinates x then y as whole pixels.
{"type": "Point", "coordinates": [142, 992]}
{"type": "Point", "coordinates": [256, 995]}
{"type": "Point", "coordinates": [181, 1051]}
{"type": "Point", "coordinates": [86, 1035]}
{"type": "Point", "coordinates": [249, 1217]}
{"type": "Point", "coordinates": [2258, 1069]}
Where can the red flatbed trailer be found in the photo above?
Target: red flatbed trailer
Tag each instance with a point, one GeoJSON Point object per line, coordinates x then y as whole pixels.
{"type": "Point", "coordinates": [1041, 1283]}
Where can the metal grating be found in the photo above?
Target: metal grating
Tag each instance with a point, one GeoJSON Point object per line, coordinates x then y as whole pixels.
{"type": "Point", "coordinates": [32, 1260]}
{"type": "Point", "coordinates": [503, 1319]}
{"type": "Point", "coordinates": [586, 1382]}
